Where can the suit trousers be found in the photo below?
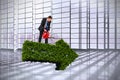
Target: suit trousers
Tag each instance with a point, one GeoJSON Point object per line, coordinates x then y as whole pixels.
{"type": "Point", "coordinates": [40, 37]}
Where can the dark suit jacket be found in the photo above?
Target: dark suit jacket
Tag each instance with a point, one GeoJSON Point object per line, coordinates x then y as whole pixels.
{"type": "Point", "coordinates": [41, 27]}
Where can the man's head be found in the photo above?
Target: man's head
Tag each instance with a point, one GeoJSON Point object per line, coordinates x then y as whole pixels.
{"type": "Point", "coordinates": [49, 18]}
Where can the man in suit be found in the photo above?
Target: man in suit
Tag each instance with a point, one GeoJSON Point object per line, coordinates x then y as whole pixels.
{"type": "Point", "coordinates": [44, 26]}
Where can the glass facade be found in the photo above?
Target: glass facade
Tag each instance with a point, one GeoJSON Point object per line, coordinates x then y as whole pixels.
{"type": "Point", "coordinates": [6, 24]}
{"type": "Point", "coordinates": [83, 24]}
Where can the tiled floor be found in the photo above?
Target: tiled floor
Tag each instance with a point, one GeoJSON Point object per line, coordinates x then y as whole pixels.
{"type": "Point", "coordinates": [90, 65]}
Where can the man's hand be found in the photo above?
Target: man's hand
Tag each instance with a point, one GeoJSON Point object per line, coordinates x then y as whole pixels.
{"type": "Point", "coordinates": [45, 30]}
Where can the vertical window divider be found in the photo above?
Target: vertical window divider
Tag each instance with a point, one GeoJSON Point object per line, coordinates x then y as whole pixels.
{"type": "Point", "coordinates": [70, 23]}
{"type": "Point", "coordinates": [7, 26]}
{"type": "Point", "coordinates": [33, 20]}
{"type": "Point", "coordinates": [80, 29]}
{"type": "Point", "coordinates": [115, 24]}
{"type": "Point", "coordinates": [61, 19]}
{"type": "Point", "coordinates": [25, 22]}
{"type": "Point", "coordinates": [43, 9]}
{"type": "Point", "coordinates": [0, 26]}
{"type": "Point", "coordinates": [104, 24]}
{"type": "Point", "coordinates": [52, 16]}
{"type": "Point", "coordinates": [87, 26]}
{"type": "Point", "coordinates": [97, 22]}
{"type": "Point", "coordinates": [108, 23]}
{"type": "Point", "coordinates": [16, 6]}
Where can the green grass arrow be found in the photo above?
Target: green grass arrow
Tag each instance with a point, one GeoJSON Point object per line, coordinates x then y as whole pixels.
{"type": "Point", "coordinates": [60, 53]}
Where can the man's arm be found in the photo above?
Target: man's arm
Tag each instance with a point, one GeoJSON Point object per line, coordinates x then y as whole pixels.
{"type": "Point", "coordinates": [42, 24]}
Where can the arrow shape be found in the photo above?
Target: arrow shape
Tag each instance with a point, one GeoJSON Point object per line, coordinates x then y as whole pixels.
{"type": "Point", "coordinates": [61, 54]}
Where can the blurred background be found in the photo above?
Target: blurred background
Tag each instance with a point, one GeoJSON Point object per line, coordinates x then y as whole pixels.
{"type": "Point", "coordinates": [90, 27]}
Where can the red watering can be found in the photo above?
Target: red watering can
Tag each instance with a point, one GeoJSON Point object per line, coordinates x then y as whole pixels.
{"type": "Point", "coordinates": [45, 35]}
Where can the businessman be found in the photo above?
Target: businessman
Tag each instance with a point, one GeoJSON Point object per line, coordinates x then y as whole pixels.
{"type": "Point", "coordinates": [44, 26]}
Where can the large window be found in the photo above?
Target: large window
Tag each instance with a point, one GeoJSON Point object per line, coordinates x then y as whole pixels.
{"type": "Point", "coordinates": [6, 24]}
{"type": "Point", "coordinates": [99, 24]}
{"type": "Point", "coordinates": [83, 24]}
{"type": "Point", "coordinates": [25, 21]}
{"type": "Point", "coordinates": [61, 19]}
